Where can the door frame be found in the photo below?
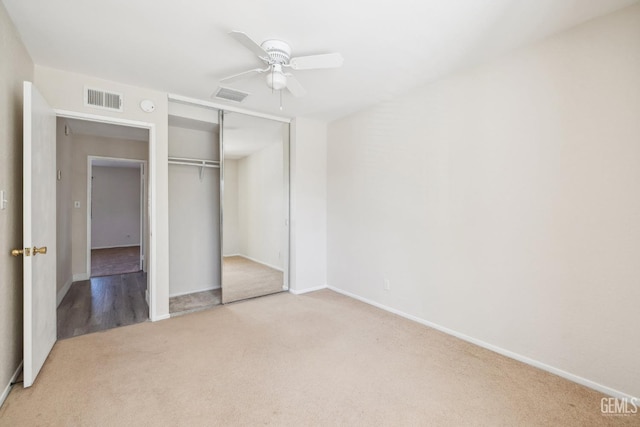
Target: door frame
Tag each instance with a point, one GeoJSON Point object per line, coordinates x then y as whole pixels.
{"type": "Point", "coordinates": [143, 207]}
{"type": "Point", "coordinates": [151, 196]}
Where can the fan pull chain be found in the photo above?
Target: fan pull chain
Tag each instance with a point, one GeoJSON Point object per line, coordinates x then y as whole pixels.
{"type": "Point", "coordinates": [280, 99]}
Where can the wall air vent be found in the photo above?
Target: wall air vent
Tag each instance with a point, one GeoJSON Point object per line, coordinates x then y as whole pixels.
{"type": "Point", "coordinates": [98, 98]}
{"type": "Point", "coordinates": [230, 94]}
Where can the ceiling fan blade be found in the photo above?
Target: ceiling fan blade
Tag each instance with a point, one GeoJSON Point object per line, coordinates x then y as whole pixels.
{"type": "Point", "coordinates": [243, 75]}
{"type": "Point", "coordinates": [294, 86]}
{"type": "Point", "coordinates": [248, 42]}
{"type": "Point", "coordinates": [329, 60]}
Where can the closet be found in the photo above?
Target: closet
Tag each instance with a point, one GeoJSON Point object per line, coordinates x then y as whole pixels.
{"type": "Point", "coordinates": [228, 206]}
{"type": "Point", "coordinates": [194, 211]}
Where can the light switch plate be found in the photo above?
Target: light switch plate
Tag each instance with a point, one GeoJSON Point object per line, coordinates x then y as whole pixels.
{"type": "Point", "coordinates": [3, 200]}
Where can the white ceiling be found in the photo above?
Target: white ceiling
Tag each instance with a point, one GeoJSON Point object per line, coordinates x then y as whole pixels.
{"type": "Point", "coordinates": [389, 47]}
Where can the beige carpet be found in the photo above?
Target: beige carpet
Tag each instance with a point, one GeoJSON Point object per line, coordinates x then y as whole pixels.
{"type": "Point", "coordinates": [243, 278]}
{"type": "Point", "coordinates": [315, 359]}
{"type": "Point", "coordinates": [111, 261]}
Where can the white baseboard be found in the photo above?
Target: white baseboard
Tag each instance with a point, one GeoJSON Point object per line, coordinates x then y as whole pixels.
{"type": "Point", "coordinates": [524, 359]}
{"type": "Point", "coordinates": [161, 317]}
{"type": "Point", "coordinates": [62, 292]}
{"type": "Point", "coordinates": [257, 261]}
{"type": "Point", "coordinates": [7, 389]}
{"type": "Point", "coordinates": [81, 276]}
{"type": "Point", "coordinates": [209, 288]}
{"type": "Point", "coordinates": [307, 290]}
{"type": "Point", "coordinates": [116, 246]}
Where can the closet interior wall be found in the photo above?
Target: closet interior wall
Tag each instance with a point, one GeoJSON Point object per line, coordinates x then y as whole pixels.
{"type": "Point", "coordinates": [194, 206]}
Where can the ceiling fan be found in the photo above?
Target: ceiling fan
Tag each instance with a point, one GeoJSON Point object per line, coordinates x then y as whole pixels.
{"type": "Point", "coordinates": [276, 54]}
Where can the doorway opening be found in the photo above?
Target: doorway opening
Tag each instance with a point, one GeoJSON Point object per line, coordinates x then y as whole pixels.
{"type": "Point", "coordinates": [194, 210]}
{"type": "Point", "coordinates": [115, 216]}
{"type": "Point", "coordinates": [102, 227]}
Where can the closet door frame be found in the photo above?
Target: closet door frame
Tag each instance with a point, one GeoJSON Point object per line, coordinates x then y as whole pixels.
{"type": "Point", "coordinates": [222, 108]}
{"type": "Point", "coordinates": [221, 195]}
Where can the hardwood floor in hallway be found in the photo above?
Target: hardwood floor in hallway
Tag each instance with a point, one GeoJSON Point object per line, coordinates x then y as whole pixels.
{"type": "Point", "coordinates": [110, 261]}
{"type": "Point", "coordinates": [103, 303]}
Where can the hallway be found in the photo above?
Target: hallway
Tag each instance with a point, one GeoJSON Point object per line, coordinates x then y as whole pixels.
{"type": "Point", "coordinates": [103, 303]}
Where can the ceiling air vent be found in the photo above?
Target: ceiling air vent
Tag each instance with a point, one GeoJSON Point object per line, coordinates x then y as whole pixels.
{"type": "Point", "coordinates": [99, 98]}
{"type": "Point", "coordinates": [230, 94]}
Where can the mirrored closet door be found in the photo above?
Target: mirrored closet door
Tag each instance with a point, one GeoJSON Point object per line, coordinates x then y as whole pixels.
{"type": "Point", "coordinates": [255, 206]}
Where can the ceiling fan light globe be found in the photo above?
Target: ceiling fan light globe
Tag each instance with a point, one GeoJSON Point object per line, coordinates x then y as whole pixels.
{"type": "Point", "coordinates": [276, 80]}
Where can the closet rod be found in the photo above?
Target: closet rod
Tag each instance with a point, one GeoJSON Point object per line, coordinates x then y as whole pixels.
{"type": "Point", "coordinates": [196, 162]}
{"type": "Point", "coordinates": [200, 165]}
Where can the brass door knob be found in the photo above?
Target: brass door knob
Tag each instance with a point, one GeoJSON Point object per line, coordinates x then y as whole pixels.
{"type": "Point", "coordinates": [37, 250]}
{"type": "Point", "coordinates": [18, 252]}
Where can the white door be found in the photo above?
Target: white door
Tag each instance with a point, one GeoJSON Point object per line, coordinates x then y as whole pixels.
{"type": "Point", "coordinates": [39, 228]}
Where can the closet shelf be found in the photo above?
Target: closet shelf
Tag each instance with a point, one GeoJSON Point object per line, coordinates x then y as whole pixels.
{"type": "Point", "coordinates": [201, 163]}
{"type": "Point", "coordinates": [194, 162]}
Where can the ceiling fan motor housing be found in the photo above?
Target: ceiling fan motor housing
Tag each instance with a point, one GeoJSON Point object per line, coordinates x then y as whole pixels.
{"type": "Point", "coordinates": [279, 54]}
{"type": "Point", "coordinates": [279, 51]}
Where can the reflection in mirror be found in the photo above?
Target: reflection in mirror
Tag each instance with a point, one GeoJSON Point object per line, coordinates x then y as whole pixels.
{"type": "Point", "coordinates": [255, 207]}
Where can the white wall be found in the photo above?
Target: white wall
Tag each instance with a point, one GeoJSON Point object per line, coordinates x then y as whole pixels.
{"type": "Point", "coordinates": [15, 67]}
{"type": "Point", "coordinates": [64, 91]}
{"type": "Point", "coordinates": [194, 226]}
{"type": "Point", "coordinates": [193, 143]}
{"type": "Point", "coordinates": [83, 147]}
{"type": "Point", "coordinates": [115, 211]}
{"type": "Point", "coordinates": [261, 205]}
{"type": "Point", "coordinates": [194, 213]}
{"type": "Point", "coordinates": [502, 202]}
{"type": "Point", "coordinates": [308, 205]}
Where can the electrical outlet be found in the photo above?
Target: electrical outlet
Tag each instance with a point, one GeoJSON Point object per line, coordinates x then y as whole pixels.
{"type": "Point", "coordinates": [387, 285]}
